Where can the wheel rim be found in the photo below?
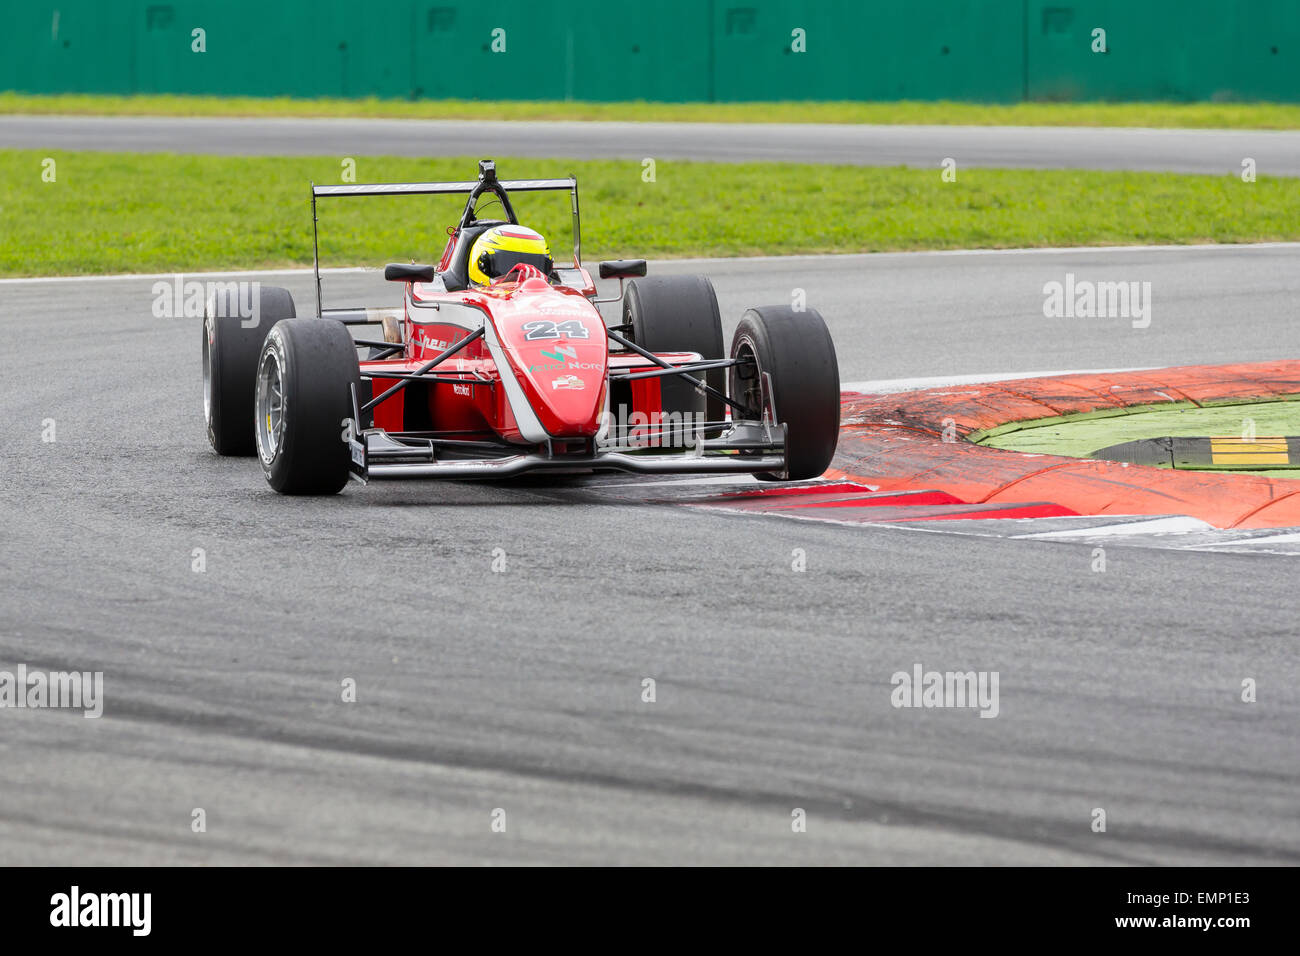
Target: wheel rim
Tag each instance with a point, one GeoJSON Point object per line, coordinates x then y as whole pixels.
{"type": "Point", "coordinates": [748, 391]}
{"type": "Point", "coordinates": [270, 405]}
{"type": "Point", "coordinates": [207, 371]}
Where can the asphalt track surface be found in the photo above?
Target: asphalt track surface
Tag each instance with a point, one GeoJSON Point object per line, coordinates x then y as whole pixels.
{"type": "Point", "coordinates": [1275, 152]}
{"type": "Point", "coordinates": [521, 690]}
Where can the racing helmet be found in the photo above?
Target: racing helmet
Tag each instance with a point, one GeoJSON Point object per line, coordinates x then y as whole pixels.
{"type": "Point", "coordinates": [501, 248]}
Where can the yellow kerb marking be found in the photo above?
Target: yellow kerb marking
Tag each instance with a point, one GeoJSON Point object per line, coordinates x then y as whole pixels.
{"type": "Point", "coordinates": [1231, 450]}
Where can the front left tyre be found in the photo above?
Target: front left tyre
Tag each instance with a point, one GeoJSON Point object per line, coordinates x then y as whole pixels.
{"type": "Point", "coordinates": [303, 404]}
{"type": "Point", "coordinates": [231, 346]}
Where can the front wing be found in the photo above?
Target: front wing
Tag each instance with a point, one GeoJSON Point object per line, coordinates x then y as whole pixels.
{"type": "Point", "coordinates": [741, 448]}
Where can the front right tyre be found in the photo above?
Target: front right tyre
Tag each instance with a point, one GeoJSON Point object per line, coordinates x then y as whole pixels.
{"type": "Point", "coordinates": [788, 366]}
{"type": "Point", "coordinates": [231, 346]}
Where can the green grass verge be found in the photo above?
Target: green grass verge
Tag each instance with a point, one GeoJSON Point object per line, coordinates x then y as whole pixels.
{"type": "Point", "coordinates": [128, 212]}
{"type": "Point", "coordinates": [1194, 115]}
{"type": "Point", "coordinates": [1081, 437]}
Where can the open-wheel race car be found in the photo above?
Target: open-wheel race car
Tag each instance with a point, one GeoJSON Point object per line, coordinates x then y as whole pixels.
{"type": "Point", "coordinates": [498, 362]}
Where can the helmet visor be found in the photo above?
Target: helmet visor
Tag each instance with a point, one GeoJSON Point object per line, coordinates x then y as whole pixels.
{"type": "Point", "coordinates": [497, 264]}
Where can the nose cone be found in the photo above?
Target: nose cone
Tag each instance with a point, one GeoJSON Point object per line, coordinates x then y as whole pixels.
{"type": "Point", "coordinates": [568, 381]}
{"type": "Point", "coordinates": [556, 342]}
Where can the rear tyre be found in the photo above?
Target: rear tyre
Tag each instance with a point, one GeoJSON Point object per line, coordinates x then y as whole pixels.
{"type": "Point", "coordinates": [302, 399]}
{"type": "Point", "coordinates": [230, 354]}
{"type": "Point", "coordinates": [679, 314]}
{"type": "Point", "coordinates": [793, 349]}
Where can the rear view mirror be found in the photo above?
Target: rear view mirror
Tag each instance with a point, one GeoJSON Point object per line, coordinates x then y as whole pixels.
{"type": "Point", "coordinates": [409, 272]}
{"type": "Point", "coordinates": [622, 268]}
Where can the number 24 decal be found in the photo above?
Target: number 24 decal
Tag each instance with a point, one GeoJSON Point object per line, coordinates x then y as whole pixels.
{"type": "Point", "coordinates": [546, 329]}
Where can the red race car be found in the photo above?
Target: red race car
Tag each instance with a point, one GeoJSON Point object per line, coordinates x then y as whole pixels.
{"type": "Point", "coordinates": [498, 362]}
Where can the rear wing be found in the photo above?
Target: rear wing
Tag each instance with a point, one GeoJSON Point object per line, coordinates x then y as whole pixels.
{"type": "Point", "coordinates": [487, 182]}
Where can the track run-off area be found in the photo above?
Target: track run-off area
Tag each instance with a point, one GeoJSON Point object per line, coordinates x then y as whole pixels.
{"type": "Point", "coordinates": [771, 643]}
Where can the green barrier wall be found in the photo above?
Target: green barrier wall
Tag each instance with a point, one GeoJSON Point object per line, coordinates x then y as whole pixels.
{"type": "Point", "coordinates": [665, 50]}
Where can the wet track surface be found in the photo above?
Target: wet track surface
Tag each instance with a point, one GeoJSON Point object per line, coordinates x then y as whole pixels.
{"type": "Point", "coordinates": [1276, 152]}
{"type": "Point", "coordinates": [522, 690]}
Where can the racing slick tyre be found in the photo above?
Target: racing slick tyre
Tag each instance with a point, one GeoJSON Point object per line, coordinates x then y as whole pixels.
{"type": "Point", "coordinates": [793, 350]}
{"type": "Point", "coordinates": [302, 400]}
{"type": "Point", "coordinates": [678, 314]}
{"type": "Point", "coordinates": [230, 353]}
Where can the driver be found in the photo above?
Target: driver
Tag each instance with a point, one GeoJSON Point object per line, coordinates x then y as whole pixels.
{"type": "Point", "coordinates": [501, 248]}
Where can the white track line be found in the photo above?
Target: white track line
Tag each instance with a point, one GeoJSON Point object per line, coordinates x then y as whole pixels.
{"type": "Point", "coordinates": [888, 385]}
{"type": "Point", "coordinates": [1045, 250]}
{"type": "Point", "coordinates": [1172, 524]}
{"type": "Point", "coordinates": [1285, 536]}
{"type": "Point", "coordinates": [189, 275]}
